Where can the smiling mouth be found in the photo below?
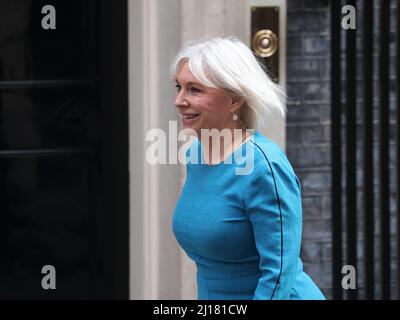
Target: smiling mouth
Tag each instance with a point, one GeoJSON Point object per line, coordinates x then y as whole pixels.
{"type": "Point", "coordinates": [190, 116]}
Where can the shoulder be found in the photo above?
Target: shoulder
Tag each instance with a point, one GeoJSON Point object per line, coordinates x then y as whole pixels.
{"type": "Point", "coordinates": [271, 160]}
{"type": "Point", "coordinates": [272, 169]}
{"type": "Point", "coordinates": [269, 152]}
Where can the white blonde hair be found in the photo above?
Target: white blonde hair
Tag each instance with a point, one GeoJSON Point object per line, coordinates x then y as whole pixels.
{"type": "Point", "coordinates": [228, 64]}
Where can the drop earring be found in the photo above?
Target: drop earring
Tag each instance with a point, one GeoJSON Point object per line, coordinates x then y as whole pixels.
{"type": "Point", "coordinates": [235, 117]}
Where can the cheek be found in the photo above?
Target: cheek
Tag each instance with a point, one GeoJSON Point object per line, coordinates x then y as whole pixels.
{"type": "Point", "coordinates": [219, 112]}
{"type": "Point", "coordinates": [215, 108]}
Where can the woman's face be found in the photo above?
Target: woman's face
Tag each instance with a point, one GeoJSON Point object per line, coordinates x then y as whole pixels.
{"type": "Point", "coordinates": [203, 107]}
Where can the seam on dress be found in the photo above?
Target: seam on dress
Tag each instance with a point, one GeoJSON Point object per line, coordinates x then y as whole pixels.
{"type": "Point", "coordinates": [296, 293]}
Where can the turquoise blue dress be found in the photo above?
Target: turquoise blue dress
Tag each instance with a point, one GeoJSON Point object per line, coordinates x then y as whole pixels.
{"type": "Point", "coordinates": [240, 221]}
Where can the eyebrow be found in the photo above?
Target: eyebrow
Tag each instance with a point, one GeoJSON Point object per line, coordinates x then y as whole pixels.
{"type": "Point", "coordinates": [190, 83]}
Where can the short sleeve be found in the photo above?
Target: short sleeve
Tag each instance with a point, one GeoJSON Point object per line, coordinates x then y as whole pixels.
{"type": "Point", "coordinates": [273, 206]}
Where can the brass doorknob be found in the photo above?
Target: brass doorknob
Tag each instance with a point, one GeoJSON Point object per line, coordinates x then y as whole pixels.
{"type": "Point", "coordinates": [265, 43]}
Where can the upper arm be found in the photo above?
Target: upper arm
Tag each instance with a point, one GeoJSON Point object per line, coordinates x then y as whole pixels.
{"type": "Point", "coordinates": [273, 206]}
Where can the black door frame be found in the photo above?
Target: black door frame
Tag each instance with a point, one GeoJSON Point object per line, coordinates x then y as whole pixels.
{"type": "Point", "coordinates": [113, 94]}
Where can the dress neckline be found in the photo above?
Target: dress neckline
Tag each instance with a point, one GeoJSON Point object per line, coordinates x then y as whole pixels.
{"type": "Point", "coordinates": [231, 155]}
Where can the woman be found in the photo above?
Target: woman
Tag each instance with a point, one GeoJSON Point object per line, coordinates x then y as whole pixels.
{"type": "Point", "coordinates": [242, 230]}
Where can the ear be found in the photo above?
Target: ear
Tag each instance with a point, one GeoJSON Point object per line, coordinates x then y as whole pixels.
{"type": "Point", "coordinates": [236, 103]}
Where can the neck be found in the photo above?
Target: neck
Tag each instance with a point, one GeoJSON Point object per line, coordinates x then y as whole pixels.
{"type": "Point", "coordinates": [220, 145]}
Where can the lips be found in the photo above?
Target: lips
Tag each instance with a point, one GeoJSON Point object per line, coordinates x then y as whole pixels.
{"type": "Point", "coordinates": [189, 115]}
{"type": "Point", "coordinates": [189, 118]}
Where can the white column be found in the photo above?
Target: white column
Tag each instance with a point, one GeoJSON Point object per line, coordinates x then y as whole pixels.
{"type": "Point", "coordinates": [155, 270]}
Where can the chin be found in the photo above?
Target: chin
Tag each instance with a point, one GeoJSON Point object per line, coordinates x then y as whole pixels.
{"type": "Point", "coordinates": [193, 127]}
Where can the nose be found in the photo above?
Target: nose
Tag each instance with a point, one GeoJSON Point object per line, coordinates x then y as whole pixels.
{"type": "Point", "coordinates": [180, 100]}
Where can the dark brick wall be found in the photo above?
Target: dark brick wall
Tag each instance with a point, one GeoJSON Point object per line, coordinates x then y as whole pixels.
{"type": "Point", "coordinates": [308, 134]}
{"type": "Point", "coordinates": [308, 129]}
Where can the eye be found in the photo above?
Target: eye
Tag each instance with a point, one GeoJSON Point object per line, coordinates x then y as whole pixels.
{"type": "Point", "coordinates": [194, 90]}
{"type": "Point", "coordinates": [178, 87]}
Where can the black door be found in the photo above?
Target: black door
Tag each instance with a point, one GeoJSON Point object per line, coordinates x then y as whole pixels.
{"type": "Point", "coordinates": [63, 150]}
